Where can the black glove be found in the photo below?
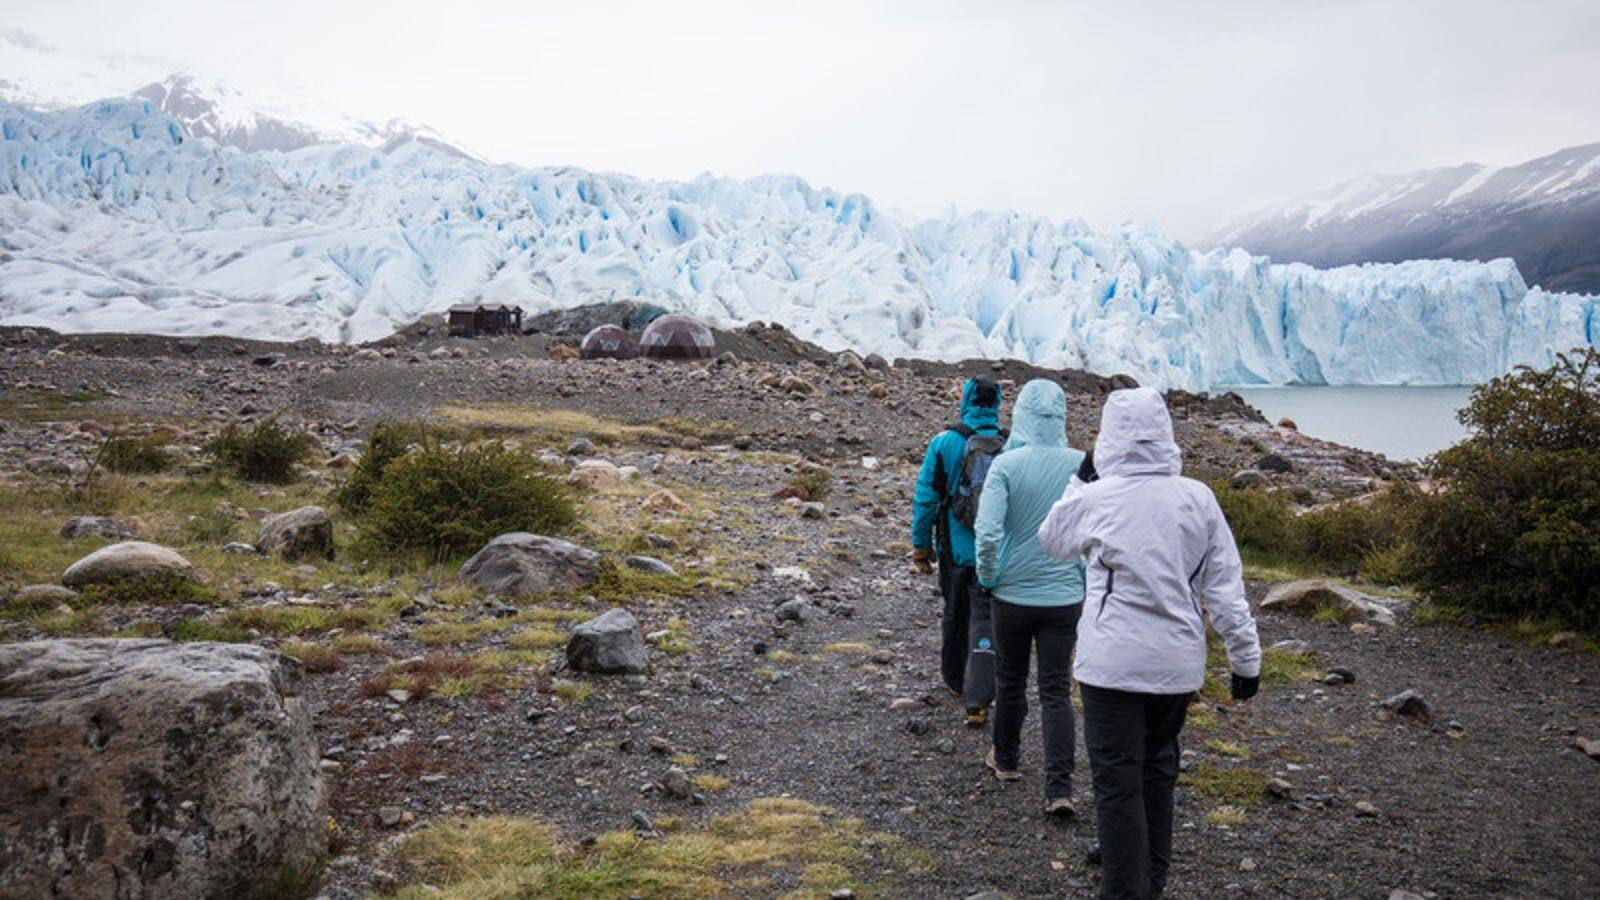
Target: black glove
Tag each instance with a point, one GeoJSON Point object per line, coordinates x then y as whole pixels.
{"type": "Point", "coordinates": [1086, 472]}
{"type": "Point", "coordinates": [1244, 688]}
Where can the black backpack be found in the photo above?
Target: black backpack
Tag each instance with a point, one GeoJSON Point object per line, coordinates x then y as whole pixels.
{"type": "Point", "coordinates": [976, 458]}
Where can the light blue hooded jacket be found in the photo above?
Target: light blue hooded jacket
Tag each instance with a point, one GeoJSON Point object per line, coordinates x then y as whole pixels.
{"type": "Point", "coordinates": [1026, 479]}
{"type": "Point", "coordinates": [945, 452]}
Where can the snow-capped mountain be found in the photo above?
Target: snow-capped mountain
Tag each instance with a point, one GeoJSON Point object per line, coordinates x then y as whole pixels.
{"type": "Point", "coordinates": [1544, 213]}
{"type": "Point", "coordinates": [113, 217]}
{"type": "Point", "coordinates": [42, 76]}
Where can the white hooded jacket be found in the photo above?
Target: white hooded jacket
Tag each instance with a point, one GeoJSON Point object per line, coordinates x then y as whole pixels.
{"type": "Point", "coordinates": [1156, 546]}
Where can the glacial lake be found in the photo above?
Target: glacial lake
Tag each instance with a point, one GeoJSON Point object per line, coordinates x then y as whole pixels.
{"type": "Point", "coordinates": [1399, 422]}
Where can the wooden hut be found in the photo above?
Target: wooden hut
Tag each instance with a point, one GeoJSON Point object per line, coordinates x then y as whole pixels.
{"type": "Point", "coordinates": [475, 319]}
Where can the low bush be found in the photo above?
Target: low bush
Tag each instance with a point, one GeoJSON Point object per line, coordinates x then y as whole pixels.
{"type": "Point", "coordinates": [266, 452]}
{"type": "Point", "coordinates": [146, 455]}
{"type": "Point", "coordinates": [814, 480]}
{"type": "Point", "coordinates": [387, 443]}
{"type": "Point", "coordinates": [1369, 538]}
{"type": "Point", "coordinates": [1513, 531]}
{"type": "Point", "coordinates": [444, 502]}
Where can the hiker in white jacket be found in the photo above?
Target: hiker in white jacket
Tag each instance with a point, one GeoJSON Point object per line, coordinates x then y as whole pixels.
{"type": "Point", "coordinates": [1156, 547]}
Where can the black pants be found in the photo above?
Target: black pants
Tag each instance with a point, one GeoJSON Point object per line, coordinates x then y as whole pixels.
{"type": "Point", "coordinates": [966, 657]}
{"type": "Point", "coordinates": [1054, 629]}
{"type": "Point", "coordinates": [1132, 741]}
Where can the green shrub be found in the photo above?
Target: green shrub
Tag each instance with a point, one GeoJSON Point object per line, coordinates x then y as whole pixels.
{"type": "Point", "coordinates": [387, 443]}
{"type": "Point", "coordinates": [1260, 521]}
{"type": "Point", "coordinates": [266, 452]}
{"type": "Point", "coordinates": [147, 455]}
{"type": "Point", "coordinates": [1359, 538]}
{"type": "Point", "coordinates": [217, 525]}
{"type": "Point", "coordinates": [447, 501]}
{"type": "Point", "coordinates": [815, 481]}
{"type": "Point", "coordinates": [1514, 530]}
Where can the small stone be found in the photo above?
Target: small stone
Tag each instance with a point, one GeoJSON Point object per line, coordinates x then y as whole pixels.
{"type": "Point", "coordinates": [1280, 788]}
{"type": "Point", "coordinates": [239, 548]}
{"type": "Point", "coordinates": [1292, 645]}
{"type": "Point", "coordinates": [1247, 865]}
{"type": "Point", "coordinates": [659, 744]}
{"type": "Point", "coordinates": [1365, 809]}
{"type": "Point", "coordinates": [641, 821]}
{"type": "Point", "coordinates": [899, 703]}
{"type": "Point", "coordinates": [676, 783]}
{"type": "Point", "coordinates": [581, 446]}
{"type": "Point", "coordinates": [842, 894]}
{"type": "Point", "coordinates": [945, 746]}
{"type": "Point", "coordinates": [794, 610]}
{"type": "Point", "coordinates": [813, 510]}
{"type": "Point", "coordinates": [390, 816]}
{"type": "Point", "coordinates": [1410, 704]}
{"type": "Point", "coordinates": [650, 564]}
{"type": "Point", "coordinates": [399, 695]}
{"type": "Point", "coordinates": [883, 657]}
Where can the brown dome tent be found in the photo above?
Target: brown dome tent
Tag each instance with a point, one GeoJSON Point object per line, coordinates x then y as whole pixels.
{"type": "Point", "coordinates": [608, 342]}
{"type": "Point", "coordinates": [678, 338]}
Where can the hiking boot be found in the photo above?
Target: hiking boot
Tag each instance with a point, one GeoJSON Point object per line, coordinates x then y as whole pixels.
{"type": "Point", "coordinates": [1060, 807]}
{"type": "Point", "coordinates": [977, 717]}
{"type": "Point", "coordinates": [999, 773]}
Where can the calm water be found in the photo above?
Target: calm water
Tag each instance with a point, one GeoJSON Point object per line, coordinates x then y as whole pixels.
{"type": "Point", "coordinates": [1399, 422]}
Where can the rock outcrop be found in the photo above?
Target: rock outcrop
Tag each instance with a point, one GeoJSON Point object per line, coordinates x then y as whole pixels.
{"type": "Point", "coordinates": [127, 561]}
{"type": "Point", "coordinates": [520, 564]}
{"type": "Point", "coordinates": [146, 768]}
{"type": "Point", "coordinates": [302, 533]}
{"type": "Point", "coordinates": [609, 643]}
{"type": "Point", "coordinates": [1311, 596]}
{"type": "Point", "coordinates": [96, 526]}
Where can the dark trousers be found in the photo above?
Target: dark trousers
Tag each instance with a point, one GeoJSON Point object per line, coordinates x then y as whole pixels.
{"type": "Point", "coordinates": [1132, 741]}
{"type": "Point", "coordinates": [1017, 630]}
{"type": "Point", "coordinates": [966, 656]}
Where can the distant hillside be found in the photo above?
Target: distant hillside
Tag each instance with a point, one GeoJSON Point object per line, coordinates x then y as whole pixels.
{"type": "Point", "coordinates": [1544, 213]}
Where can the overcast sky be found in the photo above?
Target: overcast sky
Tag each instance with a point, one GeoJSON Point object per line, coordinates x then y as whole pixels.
{"type": "Point", "coordinates": [1182, 112]}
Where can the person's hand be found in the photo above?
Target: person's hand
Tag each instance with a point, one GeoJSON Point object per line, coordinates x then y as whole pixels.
{"type": "Point", "coordinates": [923, 559]}
{"type": "Point", "coordinates": [1086, 471]}
{"type": "Point", "coordinates": [1244, 688]}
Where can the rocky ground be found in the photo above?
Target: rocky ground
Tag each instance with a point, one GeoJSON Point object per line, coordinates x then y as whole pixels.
{"type": "Point", "coordinates": [433, 700]}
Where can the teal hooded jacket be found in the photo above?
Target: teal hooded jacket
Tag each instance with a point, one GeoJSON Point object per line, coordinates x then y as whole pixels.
{"type": "Point", "coordinates": [1024, 482]}
{"type": "Point", "coordinates": [945, 452]}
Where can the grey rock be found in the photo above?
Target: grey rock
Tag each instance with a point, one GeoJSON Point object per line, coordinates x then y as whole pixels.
{"type": "Point", "coordinates": [650, 564]}
{"type": "Point", "coordinates": [676, 784]}
{"type": "Point", "coordinates": [96, 526]}
{"type": "Point", "coordinates": [147, 768]}
{"type": "Point", "coordinates": [580, 447]}
{"type": "Point", "coordinates": [813, 510]}
{"type": "Point", "coordinates": [42, 596]}
{"type": "Point", "coordinates": [520, 564]}
{"type": "Point", "coordinates": [303, 533]}
{"type": "Point", "coordinates": [239, 548]}
{"type": "Point", "coordinates": [1273, 462]}
{"type": "Point", "coordinates": [1249, 478]}
{"type": "Point", "coordinates": [609, 643]}
{"type": "Point", "coordinates": [794, 610]}
{"type": "Point", "coordinates": [1309, 596]}
{"type": "Point", "coordinates": [1410, 704]}
{"type": "Point", "coordinates": [127, 561]}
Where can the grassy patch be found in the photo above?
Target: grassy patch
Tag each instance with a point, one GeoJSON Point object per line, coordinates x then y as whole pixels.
{"type": "Point", "coordinates": [676, 640]}
{"type": "Point", "coordinates": [572, 691]}
{"type": "Point", "coordinates": [536, 638]}
{"type": "Point", "coordinates": [1233, 785]}
{"type": "Point", "coordinates": [317, 658]}
{"type": "Point", "coordinates": [302, 620]}
{"type": "Point", "coordinates": [710, 783]}
{"type": "Point", "coordinates": [1228, 749]}
{"type": "Point", "coordinates": [192, 629]}
{"type": "Point", "coordinates": [815, 481]}
{"type": "Point", "coordinates": [847, 648]}
{"type": "Point", "coordinates": [1280, 667]}
{"type": "Point", "coordinates": [143, 455]}
{"type": "Point", "coordinates": [1231, 816]}
{"type": "Point", "coordinates": [444, 633]}
{"type": "Point", "coordinates": [357, 644]}
{"type": "Point", "coordinates": [161, 590]}
{"type": "Point", "coordinates": [625, 584]}
{"type": "Point", "coordinates": [772, 842]}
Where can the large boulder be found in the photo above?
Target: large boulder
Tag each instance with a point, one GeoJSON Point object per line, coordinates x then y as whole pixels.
{"type": "Point", "coordinates": [298, 534]}
{"type": "Point", "coordinates": [96, 526]}
{"type": "Point", "coordinates": [1314, 595]}
{"type": "Point", "coordinates": [127, 561]}
{"type": "Point", "coordinates": [146, 768]}
{"type": "Point", "coordinates": [520, 564]}
{"type": "Point", "coordinates": [609, 643]}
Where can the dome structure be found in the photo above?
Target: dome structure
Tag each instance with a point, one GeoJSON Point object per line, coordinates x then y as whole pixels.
{"type": "Point", "coordinates": [608, 342]}
{"type": "Point", "coordinates": [678, 338]}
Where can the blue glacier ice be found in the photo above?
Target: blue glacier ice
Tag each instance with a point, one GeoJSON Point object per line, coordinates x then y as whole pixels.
{"type": "Point", "coordinates": [111, 219]}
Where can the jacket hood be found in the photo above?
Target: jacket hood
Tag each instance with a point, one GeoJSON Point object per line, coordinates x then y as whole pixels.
{"type": "Point", "coordinates": [1040, 417]}
{"type": "Point", "coordinates": [976, 414]}
{"type": "Point", "coordinates": [1136, 436]}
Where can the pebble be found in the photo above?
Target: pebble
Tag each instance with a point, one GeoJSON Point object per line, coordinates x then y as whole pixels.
{"type": "Point", "coordinates": [1363, 808]}
{"type": "Point", "coordinates": [1247, 865]}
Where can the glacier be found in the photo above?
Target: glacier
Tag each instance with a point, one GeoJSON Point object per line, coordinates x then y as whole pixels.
{"type": "Point", "coordinates": [112, 218]}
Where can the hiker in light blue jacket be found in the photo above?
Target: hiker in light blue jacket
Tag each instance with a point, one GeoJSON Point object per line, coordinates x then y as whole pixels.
{"type": "Point", "coordinates": [1037, 598]}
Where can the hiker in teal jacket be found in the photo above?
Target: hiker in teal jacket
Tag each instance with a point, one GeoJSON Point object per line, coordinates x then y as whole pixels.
{"type": "Point", "coordinates": [1037, 598]}
{"type": "Point", "coordinates": [937, 535]}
